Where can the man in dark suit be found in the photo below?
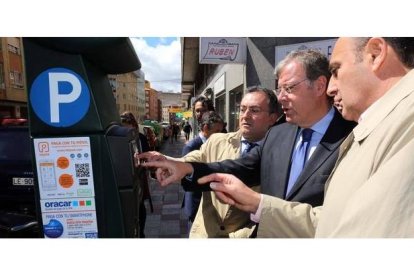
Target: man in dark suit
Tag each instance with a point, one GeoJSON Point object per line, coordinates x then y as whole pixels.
{"type": "Point", "coordinates": [210, 123]}
{"type": "Point", "coordinates": [302, 80]}
{"type": "Point", "coordinates": [272, 160]}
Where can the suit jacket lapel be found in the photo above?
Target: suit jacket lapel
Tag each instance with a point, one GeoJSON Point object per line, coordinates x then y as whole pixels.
{"type": "Point", "coordinates": [286, 151]}
{"type": "Point", "coordinates": [330, 142]}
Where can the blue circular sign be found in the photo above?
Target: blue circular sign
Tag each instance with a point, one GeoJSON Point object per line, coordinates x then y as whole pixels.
{"type": "Point", "coordinates": [60, 97]}
{"type": "Point", "coordinates": [54, 229]}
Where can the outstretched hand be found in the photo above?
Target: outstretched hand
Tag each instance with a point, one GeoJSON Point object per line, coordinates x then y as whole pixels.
{"type": "Point", "coordinates": [169, 171]}
{"type": "Point", "coordinates": [150, 156]}
{"type": "Point", "coordinates": [229, 189]}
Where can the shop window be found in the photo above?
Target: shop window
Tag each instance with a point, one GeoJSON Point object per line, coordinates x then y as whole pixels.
{"type": "Point", "coordinates": [235, 99]}
{"type": "Point", "coordinates": [220, 104]}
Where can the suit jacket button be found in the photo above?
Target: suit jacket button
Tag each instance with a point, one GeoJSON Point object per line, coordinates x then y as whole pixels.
{"type": "Point", "coordinates": [222, 228]}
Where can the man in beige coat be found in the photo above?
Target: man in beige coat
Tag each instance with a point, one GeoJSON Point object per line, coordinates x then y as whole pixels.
{"type": "Point", "coordinates": [215, 219]}
{"type": "Point", "coordinates": [370, 192]}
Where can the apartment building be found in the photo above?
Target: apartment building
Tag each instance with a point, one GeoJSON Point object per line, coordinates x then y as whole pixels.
{"type": "Point", "coordinates": [13, 98]}
{"type": "Point", "coordinates": [126, 89]}
{"type": "Point", "coordinates": [151, 103]}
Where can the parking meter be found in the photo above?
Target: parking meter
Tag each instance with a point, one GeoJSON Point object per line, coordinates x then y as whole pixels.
{"type": "Point", "coordinates": [85, 180]}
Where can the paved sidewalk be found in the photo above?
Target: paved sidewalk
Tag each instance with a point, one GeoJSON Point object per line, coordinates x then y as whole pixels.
{"type": "Point", "coordinates": [167, 220]}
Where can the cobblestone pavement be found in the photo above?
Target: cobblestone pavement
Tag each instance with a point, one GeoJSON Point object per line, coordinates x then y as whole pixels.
{"type": "Point", "coordinates": [167, 220]}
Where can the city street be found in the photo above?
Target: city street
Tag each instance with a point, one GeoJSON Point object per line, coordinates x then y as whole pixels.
{"type": "Point", "coordinates": [167, 220]}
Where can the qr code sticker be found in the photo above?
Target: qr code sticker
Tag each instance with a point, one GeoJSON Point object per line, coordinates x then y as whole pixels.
{"type": "Point", "coordinates": [82, 170]}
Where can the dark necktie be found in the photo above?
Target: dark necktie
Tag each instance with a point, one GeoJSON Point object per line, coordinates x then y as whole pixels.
{"type": "Point", "coordinates": [249, 146]}
{"type": "Point", "coordinates": [299, 158]}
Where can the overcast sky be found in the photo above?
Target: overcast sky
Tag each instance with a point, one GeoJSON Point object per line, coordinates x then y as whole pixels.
{"type": "Point", "coordinates": [161, 61]}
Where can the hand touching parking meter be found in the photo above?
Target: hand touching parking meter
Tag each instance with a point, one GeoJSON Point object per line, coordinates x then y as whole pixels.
{"type": "Point", "coordinates": [169, 171]}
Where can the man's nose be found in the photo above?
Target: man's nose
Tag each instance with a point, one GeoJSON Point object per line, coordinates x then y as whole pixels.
{"type": "Point", "coordinates": [282, 97]}
{"type": "Point", "coordinates": [332, 89]}
{"type": "Point", "coordinates": [245, 114]}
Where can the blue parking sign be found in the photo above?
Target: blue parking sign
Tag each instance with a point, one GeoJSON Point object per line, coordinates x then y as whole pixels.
{"type": "Point", "coordinates": [59, 97]}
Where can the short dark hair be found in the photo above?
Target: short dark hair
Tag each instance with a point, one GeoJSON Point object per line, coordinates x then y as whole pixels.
{"type": "Point", "coordinates": [273, 103]}
{"type": "Point", "coordinates": [403, 47]}
{"type": "Point", "coordinates": [209, 118]}
{"type": "Point", "coordinates": [205, 102]}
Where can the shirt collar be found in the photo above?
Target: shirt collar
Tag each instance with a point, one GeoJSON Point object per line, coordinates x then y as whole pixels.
{"type": "Point", "coordinates": [367, 111]}
{"type": "Point", "coordinates": [322, 125]}
{"type": "Point", "coordinates": [202, 137]}
{"type": "Point", "coordinates": [260, 142]}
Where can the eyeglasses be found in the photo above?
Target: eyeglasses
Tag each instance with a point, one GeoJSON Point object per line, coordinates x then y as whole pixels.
{"type": "Point", "coordinates": [254, 110]}
{"type": "Point", "coordinates": [288, 89]}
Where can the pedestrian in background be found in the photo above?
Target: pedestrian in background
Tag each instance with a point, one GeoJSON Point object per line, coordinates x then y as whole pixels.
{"type": "Point", "coordinates": [201, 105]}
{"type": "Point", "coordinates": [187, 130]}
{"type": "Point", "coordinates": [171, 132]}
{"type": "Point", "coordinates": [175, 131]}
{"type": "Point", "coordinates": [128, 120]}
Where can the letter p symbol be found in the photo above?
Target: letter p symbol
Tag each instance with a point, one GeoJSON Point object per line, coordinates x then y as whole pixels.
{"type": "Point", "coordinates": [56, 98]}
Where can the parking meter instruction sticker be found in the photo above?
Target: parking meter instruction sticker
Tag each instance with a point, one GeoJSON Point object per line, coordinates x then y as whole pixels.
{"type": "Point", "coordinates": [69, 218]}
{"type": "Point", "coordinates": [60, 97]}
{"type": "Point", "coordinates": [64, 167]}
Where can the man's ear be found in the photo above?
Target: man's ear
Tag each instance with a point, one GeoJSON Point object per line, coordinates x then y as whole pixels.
{"type": "Point", "coordinates": [376, 49]}
{"type": "Point", "coordinates": [204, 128]}
{"type": "Point", "coordinates": [273, 118]}
{"type": "Point", "coordinates": [321, 84]}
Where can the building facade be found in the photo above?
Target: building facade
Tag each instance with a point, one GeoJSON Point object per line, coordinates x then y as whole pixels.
{"type": "Point", "coordinates": [151, 103]}
{"type": "Point", "coordinates": [13, 96]}
{"type": "Point", "coordinates": [141, 93]}
{"type": "Point", "coordinates": [170, 100]}
{"type": "Point", "coordinates": [125, 89]}
{"type": "Point", "coordinates": [165, 114]}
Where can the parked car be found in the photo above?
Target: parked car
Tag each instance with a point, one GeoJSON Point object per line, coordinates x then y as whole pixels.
{"type": "Point", "coordinates": [13, 121]}
{"type": "Point", "coordinates": [157, 128]}
{"type": "Point", "coordinates": [17, 197]}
